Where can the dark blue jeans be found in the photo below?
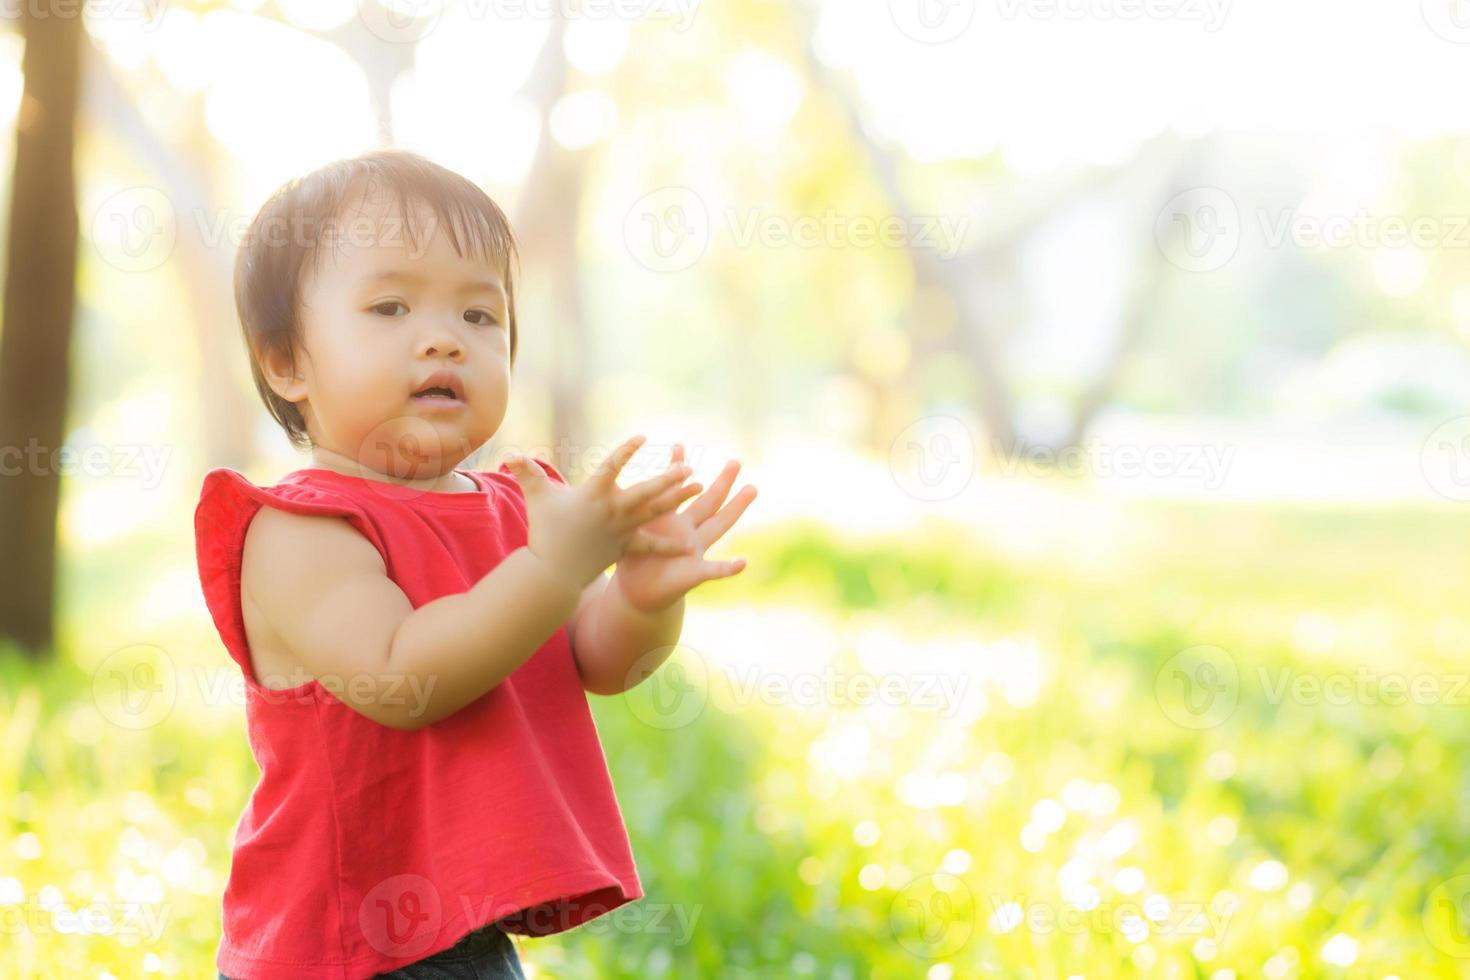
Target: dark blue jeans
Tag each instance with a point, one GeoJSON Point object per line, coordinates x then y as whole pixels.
{"type": "Point", "coordinates": [485, 954]}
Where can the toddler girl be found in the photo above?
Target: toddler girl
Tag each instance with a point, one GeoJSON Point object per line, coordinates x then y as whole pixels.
{"type": "Point", "coordinates": [417, 639]}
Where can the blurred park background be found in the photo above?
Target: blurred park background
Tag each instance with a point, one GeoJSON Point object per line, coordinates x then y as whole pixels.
{"type": "Point", "coordinates": [1102, 366]}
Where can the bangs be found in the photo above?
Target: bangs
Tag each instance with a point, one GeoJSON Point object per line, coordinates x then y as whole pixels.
{"type": "Point", "coordinates": [474, 224]}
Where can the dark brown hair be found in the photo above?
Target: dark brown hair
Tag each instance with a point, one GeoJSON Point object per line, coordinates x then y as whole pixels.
{"type": "Point", "coordinates": [306, 213]}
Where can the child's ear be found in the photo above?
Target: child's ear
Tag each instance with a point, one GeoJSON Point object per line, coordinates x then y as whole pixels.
{"type": "Point", "coordinates": [284, 377]}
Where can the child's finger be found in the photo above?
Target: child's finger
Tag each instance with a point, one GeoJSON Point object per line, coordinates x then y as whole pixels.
{"type": "Point", "coordinates": [710, 529]}
{"type": "Point", "coordinates": [635, 496]}
{"type": "Point", "coordinates": [667, 501]}
{"type": "Point", "coordinates": [710, 502]}
{"type": "Point", "coordinates": [722, 569]}
{"type": "Point", "coordinates": [529, 475]}
{"type": "Point", "coordinates": [607, 474]}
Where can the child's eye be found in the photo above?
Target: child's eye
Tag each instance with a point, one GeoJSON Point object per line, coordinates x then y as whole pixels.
{"type": "Point", "coordinates": [390, 302]}
{"type": "Point", "coordinates": [489, 317]}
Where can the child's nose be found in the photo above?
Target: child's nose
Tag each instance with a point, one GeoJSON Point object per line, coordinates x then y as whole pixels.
{"type": "Point", "coordinates": [441, 343]}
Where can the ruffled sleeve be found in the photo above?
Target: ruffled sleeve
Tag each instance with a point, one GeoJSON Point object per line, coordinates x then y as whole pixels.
{"type": "Point", "coordinates": [227, 504]}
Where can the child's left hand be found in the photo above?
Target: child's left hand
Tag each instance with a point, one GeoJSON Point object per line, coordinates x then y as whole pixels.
{"type": "Point", "coordinates": [652, 582]}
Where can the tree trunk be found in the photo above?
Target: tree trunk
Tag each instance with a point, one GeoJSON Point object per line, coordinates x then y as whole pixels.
{"type": "Point", "coordinates": [35, 343]}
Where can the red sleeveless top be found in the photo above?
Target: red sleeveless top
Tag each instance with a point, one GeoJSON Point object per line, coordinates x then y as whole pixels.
{"type": "Point", "coordinates": [362, 847]}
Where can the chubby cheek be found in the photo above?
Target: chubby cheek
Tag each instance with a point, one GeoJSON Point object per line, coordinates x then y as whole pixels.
{"type": "Point", "coordinates": [489, 401]}
{"type": "Point", "coordinates": [360, 390]}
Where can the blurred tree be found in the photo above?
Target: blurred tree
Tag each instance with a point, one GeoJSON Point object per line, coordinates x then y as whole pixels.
{"type": "Point", "coordinates": [976, 280]}
{"type": "Point", "coordinates": [546, 217]}
{"type": "Point", "coordinates": [35, 343]}
{"type": "Point", "coordinates": [184, 171]}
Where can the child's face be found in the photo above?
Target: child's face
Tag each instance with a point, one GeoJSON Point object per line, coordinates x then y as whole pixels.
{"type": "Point", "coordinates": [378, 318]}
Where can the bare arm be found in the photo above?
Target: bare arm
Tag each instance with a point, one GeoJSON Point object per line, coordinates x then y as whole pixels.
{"type": "Point", "coordinates": [326, 593]}
{"type": "Point", "coordinates": [610, 638]}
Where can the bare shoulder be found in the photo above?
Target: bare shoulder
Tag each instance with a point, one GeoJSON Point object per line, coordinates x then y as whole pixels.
{"type": "Point", "coordinates": [287, 561]}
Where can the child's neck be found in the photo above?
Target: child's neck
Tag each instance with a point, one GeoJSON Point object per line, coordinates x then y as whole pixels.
{"type": "Point", "coordinates": [451, 481]}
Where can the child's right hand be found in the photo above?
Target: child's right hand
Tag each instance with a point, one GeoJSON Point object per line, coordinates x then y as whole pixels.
{"type": "Point", "coordinates": [579, 531]}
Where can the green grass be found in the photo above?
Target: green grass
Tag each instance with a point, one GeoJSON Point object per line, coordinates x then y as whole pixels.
{"type": "Point", "coordinates": [777, 838]}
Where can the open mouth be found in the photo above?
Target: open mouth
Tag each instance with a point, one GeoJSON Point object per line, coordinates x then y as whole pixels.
{"type": "Point", "coordinates": [442, 389]}
{"type": "Point", "coordinates": [438, 392]}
